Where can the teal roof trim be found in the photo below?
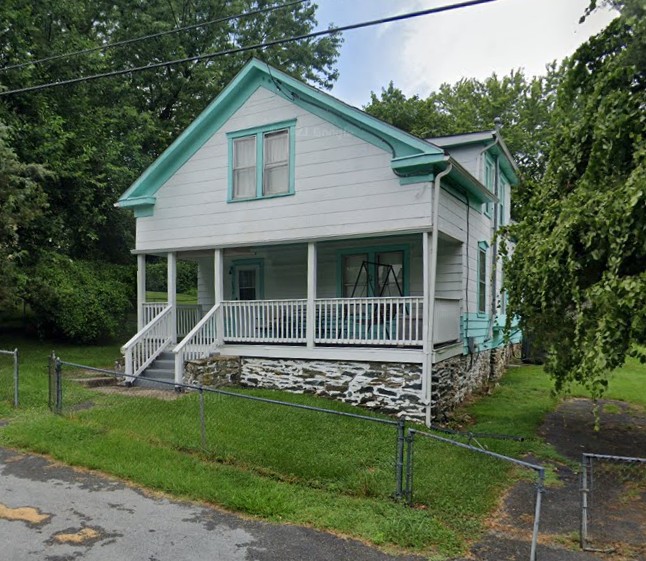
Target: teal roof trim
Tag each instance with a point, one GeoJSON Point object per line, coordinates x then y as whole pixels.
{"type": "Point", "coordinates": [411, 155]}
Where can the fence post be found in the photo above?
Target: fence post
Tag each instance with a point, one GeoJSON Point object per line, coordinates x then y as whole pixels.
{"type": "Point", "coordinates": [584, 501]}
{"type": "Point", "coordinates": [540, 486]}
{"type": "Point", "coordinates": [410, 458]}
{"type": "Point", "coordinates": [202, 425]}
{"type": "Point", "coordinates": [15, 378]}
{"type": "Point", "coordinates": [399, 461]}
{"type": "Point", "coordinates": [59, 386]}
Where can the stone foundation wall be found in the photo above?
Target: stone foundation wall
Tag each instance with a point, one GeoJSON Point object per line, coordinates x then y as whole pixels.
{"type": "Point", "coordinates": [389, 387]}
{"type": "Point", "coordinates": [215, 371]}
{"type": "Point", "coordinates": [457, 378]}
{"type": "Point", "coordinates": [392, 388]}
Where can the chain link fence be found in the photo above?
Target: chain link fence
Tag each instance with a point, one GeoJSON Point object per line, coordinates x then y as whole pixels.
{"type": "Point", "coordinates": [613, 505]}
{"type": "Point", "coordinates": [359, 455]}
{"type": "Point", "coordinates": [9, 376]}
{"type": "Point", "coordinates": [467, 470]}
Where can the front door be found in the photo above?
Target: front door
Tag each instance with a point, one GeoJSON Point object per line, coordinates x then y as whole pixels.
{"type": "Point", "coordinates": [247, 280]}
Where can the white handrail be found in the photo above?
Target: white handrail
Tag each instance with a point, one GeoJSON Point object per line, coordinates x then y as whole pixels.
{"type": "Point", "coordinates": [146, 345]}
{"type": "Point", "coordinates": [265, 321]}
{"type": "Point", "coordinates": [198, 343]}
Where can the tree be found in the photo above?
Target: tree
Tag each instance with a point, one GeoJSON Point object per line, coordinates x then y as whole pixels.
{"type": "Point", "coordinates": [523, 104]}
{"type": "Point", "coordinates": [97, 137]}
{"type": "Point", "coordinates": [21, 203]}
{"type": "Point", "coordinates": [577, 278]}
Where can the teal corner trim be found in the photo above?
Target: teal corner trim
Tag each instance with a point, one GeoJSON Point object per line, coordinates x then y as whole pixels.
{"type": "Point", "coordinates": [258, 132]}
{"type": "Point", "coordinates": [370, 251]}
{"type": "Point", "coordinates": [144, 211]}
{"type": "Point", "coordinates": [256, 262]}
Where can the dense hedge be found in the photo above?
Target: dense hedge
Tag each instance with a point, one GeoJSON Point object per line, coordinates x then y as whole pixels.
{"type": "Point", "coordinates": [157, 274]}
{"type": "Point", "coordinates": [81, 301]}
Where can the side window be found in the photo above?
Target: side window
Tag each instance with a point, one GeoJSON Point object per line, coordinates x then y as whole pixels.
{"type": "Point", "coordinates": [244, 167]}
{"type": "Point", "coordinates": [275, 174]}
{"type": "Point", "coordinates": [488, 181]}
{"type": "Point", "coordinates": [482, 277]}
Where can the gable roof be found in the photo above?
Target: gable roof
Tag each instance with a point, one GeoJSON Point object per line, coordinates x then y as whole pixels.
{"type": "Point", "coordinates": [491, 140]}
{"type": "Point", "coordinates": [413, 159]}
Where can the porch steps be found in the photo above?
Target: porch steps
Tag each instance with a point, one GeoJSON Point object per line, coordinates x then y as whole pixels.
{"type": "Point", "coordinates": [163, 368]}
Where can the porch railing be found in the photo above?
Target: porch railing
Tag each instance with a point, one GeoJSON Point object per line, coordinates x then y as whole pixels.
{"type": "Point", "coordinates": [199, 342]}
{"type": "Point", "coordinates": [265, 321]}
{"type": "Point", "coordinates": [187, 315]}
{"type": "Point", "coordinates": [369, 321]}
{"type": "Point", "coordinates": [148, 343]}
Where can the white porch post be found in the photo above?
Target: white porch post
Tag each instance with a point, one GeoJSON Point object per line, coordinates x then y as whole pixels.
{"type": "Point", "coordinates": [427, 330]}
{"type": "Point", "coordinates": [141, 290]}
{"type": "Point", "coordinates": [311, 294]}
{"type": "Point", "coordinates": [218, 285]}
{"type": "Point", "coordinates": [171, 288]}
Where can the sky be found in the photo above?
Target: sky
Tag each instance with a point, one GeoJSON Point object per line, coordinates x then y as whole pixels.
{"type": "Point", "coordinates": [420, 54]}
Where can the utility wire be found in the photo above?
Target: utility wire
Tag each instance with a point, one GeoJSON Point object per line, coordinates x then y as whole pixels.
{"type": "Point", "coordinates": [273, 43]}
{"type": "Point", "coordinates": [153, 35]}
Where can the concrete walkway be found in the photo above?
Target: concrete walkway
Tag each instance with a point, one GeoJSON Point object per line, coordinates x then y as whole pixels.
{"type": "Point", "coordinates": [50, 512]}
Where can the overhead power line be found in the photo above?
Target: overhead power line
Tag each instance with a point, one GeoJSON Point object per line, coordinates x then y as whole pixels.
{"type": "Point", "coordinates": [153, 35]}
{"type": "Point", "coordinates": [257, 46]}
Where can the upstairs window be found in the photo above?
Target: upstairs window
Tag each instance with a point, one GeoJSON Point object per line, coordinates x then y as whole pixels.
{"type": "Point", "coordinates": [489, 183]}
{"type": "Point", "coordinates": [261, 162]}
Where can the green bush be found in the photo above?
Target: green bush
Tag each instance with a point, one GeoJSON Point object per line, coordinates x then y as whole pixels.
{"type": "Point", "coordinates": [157, 274]}
{"type": "Point", "coordinates": [82, 301]}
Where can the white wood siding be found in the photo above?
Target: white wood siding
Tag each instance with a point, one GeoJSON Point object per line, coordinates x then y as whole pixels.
{"type": "Point", "coordinates": [344, 186]}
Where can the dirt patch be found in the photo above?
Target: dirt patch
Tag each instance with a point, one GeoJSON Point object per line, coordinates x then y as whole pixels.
{"type": "Point", "coordinates": [26, 514]}
{"type": "Point", "coordinates": [571, 429]}
{"type": "Point", "coordinates": [140, 392]}
{"type": "Point", "coordinates": [82, 536]}
{"type": "Point", "coordinates": [617, 516]}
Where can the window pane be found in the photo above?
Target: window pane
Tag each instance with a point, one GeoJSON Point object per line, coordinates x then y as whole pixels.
{"type": "Point", "coordinates": [276, 147]}
{"type": "Point", "coordinates": [355, 276]}
{"type": "Point", "coordinates": [247, 284]}
{"type": "Point", "coordinates": [276, 163]}
{"type": "Point", "coordinates": [482, 281]}
{"type": "Point", "coordinates": [244, 183]}
{"type": "Point", "coordinates": [390, 273]}
{"type": "Point", "coordinates": [276, 180]}
{"type": "Point", "coordinates": [244, 152]}
{"type": "Point", "coordinates": [244, 167]}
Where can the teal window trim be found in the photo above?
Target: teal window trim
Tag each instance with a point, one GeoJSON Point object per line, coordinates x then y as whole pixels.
{"type": "Point", "coordinates": [481, 279]}
{"type": "Point", "coordinates": [488, 182]}
{"type": "Point", "coordinates": [236, 264]}
{"type": "Point", "coordinates": [371, 252]}
{"type": "Point", "coordinates": [259, 133]}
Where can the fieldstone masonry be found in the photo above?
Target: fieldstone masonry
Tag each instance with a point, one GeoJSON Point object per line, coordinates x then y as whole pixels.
{"type": "Point", "coordinates": [215, 371]}
{"type": "Point", "coordinates": [389, 387]}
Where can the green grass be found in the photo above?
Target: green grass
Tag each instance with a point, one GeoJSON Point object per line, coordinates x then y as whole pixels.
{"type": "Point", "coordinates": [284, 464]}
{"type": "Point", "coordinates": [182, 298]}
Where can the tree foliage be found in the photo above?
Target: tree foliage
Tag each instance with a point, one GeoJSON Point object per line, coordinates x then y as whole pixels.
{"type": "Point", "coordinates": [21, 206]}
{"type": "Point", "coordinates": [97, 137]}
{"type": "Point", "coordinates": [523, 104]}
{"type": "Point", "coordinates": [578, 275]}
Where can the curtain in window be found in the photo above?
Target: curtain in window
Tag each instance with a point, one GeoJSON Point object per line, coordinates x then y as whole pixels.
{"type": "Point", "coordinates": [276, 172]}
{"type": "Point", "coordinates": [244, 167]}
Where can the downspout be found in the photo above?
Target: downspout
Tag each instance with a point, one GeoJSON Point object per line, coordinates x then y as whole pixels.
{"type": "Point", "coordinates": [431, 288]}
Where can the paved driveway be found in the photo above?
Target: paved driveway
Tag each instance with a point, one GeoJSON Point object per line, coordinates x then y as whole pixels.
{"type": "Point", "coordinates": [50, 512]}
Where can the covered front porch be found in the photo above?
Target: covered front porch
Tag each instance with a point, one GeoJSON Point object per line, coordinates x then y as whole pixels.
{"type": "Point", "coordinates": [324, 299]}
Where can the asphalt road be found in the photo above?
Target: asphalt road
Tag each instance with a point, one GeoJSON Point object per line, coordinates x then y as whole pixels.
{"type": "Point", "coordinates": [50, 512]}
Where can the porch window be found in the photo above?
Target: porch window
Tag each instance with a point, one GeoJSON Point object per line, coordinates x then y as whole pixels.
{"type": "Point", "coordinates": [489, 183]}
{"type": "Point", "coordinates": [261, 162]}
{"type": "Point", "coordinates": [373, 272]}
{"type": "Point", "coordinates": [482, 277]}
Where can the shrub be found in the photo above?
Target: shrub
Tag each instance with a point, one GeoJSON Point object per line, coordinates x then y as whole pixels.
{"type": "Point", "coordinates": [156, 276]}
{"type": "Point", "coordinates": [82, 301]}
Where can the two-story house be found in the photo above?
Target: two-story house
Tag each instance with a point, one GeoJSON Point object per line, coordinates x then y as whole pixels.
{"type": "Point", "coordinates": [336, 253]}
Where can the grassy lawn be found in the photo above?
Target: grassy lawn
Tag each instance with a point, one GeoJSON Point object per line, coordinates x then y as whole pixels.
{"type": "Point", "coordinates": [182, 298]}
{"type": "Point", "coordinates": [284, 464]}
